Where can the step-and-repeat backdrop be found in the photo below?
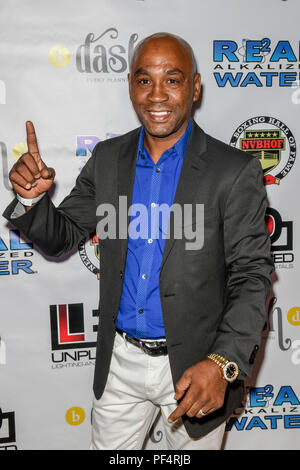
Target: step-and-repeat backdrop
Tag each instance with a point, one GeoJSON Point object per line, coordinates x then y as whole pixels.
{"type": "Point", "coordinates": [64, 66]}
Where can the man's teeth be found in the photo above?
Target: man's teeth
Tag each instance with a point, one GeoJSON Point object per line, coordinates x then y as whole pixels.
{"type": "Point", "coordinates": [160, 113]}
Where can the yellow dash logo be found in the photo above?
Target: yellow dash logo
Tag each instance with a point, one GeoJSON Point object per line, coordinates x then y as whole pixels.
{"type": "Point", "coordinates": [19, 149]}
{"type": "Point", "coordinates": [59, 56]}
{"type": "Point", "coordinates": [293, 316]}
{"type": "Point", "coordinates": [75, 416]}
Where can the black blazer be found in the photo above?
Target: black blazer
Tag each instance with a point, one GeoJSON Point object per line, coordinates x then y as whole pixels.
{"type": "Point", "coordinates": [213, 299]}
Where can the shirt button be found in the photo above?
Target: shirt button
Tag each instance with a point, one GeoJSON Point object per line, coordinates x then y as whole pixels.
{"type": "Point", "coordinates": [150, 240]}
{"type": "Point", "coordinates": [157, 170]}
{"type": "Point", "coordinates": [141, 310]}
{"type": "Point", "coordinates": [153, 204]}
{"type": "Point", "coordinates": [144, 276]}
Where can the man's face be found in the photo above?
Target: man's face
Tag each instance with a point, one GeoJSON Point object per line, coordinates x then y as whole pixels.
{"type": "Point", "coordinates": [163, 87]}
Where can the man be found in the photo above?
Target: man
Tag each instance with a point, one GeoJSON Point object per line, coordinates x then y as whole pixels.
{"type": "Point", "coordinates": [171, 318]}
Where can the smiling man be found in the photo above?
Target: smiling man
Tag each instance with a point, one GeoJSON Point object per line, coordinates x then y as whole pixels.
{"type": "Point", "coordinates": [163, 85]}
{"type": "Point", "coordinates": [179, 328]}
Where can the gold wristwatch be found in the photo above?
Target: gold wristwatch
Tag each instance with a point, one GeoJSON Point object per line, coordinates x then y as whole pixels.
{"type": "Point", "coordinates": [229, 368]}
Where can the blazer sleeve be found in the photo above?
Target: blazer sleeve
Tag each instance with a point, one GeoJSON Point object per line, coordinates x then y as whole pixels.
{"type": "Point", "coordinates": [57, 230]}
{"type": "Point", "coordinates": [249, 264]}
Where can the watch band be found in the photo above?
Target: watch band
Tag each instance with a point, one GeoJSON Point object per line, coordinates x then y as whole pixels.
{"type": "Point", "coordinates": [29, 202]}
{"type": "Point", "coordinates": [229, 368]}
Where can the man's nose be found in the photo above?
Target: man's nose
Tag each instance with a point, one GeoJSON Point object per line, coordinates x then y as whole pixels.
{"type": "Point", "coordinates": [158, 93]}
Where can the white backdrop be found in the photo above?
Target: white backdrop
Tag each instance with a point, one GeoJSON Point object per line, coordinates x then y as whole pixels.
{"type": "Point", "coordinates": [64, 66]}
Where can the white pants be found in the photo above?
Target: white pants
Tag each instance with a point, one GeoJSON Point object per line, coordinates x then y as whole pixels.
{"type": "Point", "coordinates": [138, 385]}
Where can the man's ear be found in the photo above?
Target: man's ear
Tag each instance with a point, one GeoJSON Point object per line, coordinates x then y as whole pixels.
{"type": "Point", "coordinates": [197, 86]}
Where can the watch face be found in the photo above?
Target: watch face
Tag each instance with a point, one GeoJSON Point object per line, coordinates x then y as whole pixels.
{"type": "Point", "coordinates": [231, 371]}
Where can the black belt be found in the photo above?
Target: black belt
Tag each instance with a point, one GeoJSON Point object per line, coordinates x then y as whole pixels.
{"type": "Point", "coordinates": [153, 348]}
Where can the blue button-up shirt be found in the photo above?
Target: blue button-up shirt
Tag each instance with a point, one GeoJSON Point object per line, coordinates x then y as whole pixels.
{"type": "Point", "coordinates": [140, 312]}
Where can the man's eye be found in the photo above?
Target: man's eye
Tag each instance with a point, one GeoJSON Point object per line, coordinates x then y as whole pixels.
{"type": "Point", "coordinates": [143, 81]}
{"type": "Point", "coordinates": [173, 81]}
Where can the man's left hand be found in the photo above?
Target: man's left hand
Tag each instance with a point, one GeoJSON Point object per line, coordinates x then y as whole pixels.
{"type": "Point", "coordinates": [205, 390]}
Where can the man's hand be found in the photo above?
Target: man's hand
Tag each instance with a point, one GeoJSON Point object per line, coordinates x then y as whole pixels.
{"type": "Point", "coordinates": [30, 177]}
{"type": "Point", "coordinates": [205, 390]}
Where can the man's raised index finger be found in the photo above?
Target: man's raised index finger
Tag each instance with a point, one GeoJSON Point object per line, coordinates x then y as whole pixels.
{"type": "Point", "coordinates": [31, 139]}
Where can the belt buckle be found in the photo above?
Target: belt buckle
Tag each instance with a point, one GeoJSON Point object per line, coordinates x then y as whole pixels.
{"type": "Point", "coordinates": [151, 350]}
{"type": "Point", "coordinates": [145, 349]}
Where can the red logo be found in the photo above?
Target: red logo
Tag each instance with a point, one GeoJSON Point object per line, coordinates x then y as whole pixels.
{"type": "Point", "coordinates": [67, 327]}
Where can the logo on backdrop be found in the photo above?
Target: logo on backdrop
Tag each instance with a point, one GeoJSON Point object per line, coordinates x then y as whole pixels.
{"type": "Point", "coordinates": [155, 432]}
{"type": "Point", "coordinates": [89, 253]}
{"type": "Point", "coordinates": [276, 322]}
{"type": "Point", "coordinates": [7, 430]}
{"type": "Point", "coordinates": [73, 335]}
{"type": "Point", "coordinates": [293, 316]}
{"type": "Point", "coordinates": [270, 141]}
{"type": "Point", "coordinates": [19, 149]}
{"type": "Point", "coordinates": [15, 255]}
{"type": "Point", "coordinates": [85, 145]}
{"type": "Point", "coordinates": [59, 56]}
{"type": "Point", "coordinates": [75, 416]}
{"type": "Point", "coordinates": [259, 62]}
{"type": "Point", "coordinates": [281, 235]}
{"type": "Point", "coordinates": [105, 54]}
{"type": "Point", "coordinates": [269, 407]}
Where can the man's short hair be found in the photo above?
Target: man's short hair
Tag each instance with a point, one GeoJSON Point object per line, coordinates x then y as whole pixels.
{"type": "Point", "coordinates": [182, 41]}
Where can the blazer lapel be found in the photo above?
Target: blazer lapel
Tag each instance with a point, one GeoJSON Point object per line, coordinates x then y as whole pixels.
{"type": "Point", "coordinates": [126, 171]}
{"type": "Point", "coordinates": [192, 170]}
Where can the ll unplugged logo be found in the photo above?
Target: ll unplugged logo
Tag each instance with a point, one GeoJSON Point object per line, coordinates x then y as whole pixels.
{"type": "Point", "coordinates": [73, 335]}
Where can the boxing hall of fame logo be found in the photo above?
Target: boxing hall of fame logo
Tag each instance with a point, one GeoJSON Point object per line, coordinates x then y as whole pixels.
{"type": "Point", "coordinates": [88, 250]}
{"type": "Point", "coordinates": [271, 142]}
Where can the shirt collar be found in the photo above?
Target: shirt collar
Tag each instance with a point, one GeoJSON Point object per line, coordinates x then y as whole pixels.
{"type": "Point", "coordinates": [179, 148]}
